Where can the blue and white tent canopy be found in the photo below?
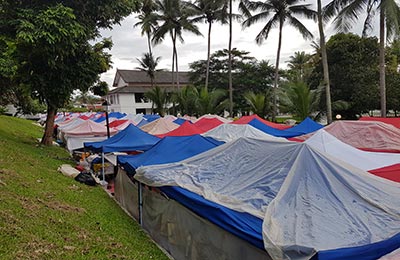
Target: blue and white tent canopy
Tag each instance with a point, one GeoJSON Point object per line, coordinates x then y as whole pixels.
{"type": "Point", "coordinates": [130, 139]}
{"type": "Point", "coordinates": [310, 203]}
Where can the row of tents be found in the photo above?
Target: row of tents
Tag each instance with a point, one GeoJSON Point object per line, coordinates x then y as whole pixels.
{"type": "Point", "coordinates": [252, 189]}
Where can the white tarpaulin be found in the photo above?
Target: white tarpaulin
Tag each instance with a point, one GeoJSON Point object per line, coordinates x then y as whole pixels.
{"type": "Point", "coordinates": [230, 132]}
{"type": "Point", "coordinates": [309, 201]}
{"type": "Point", "coordinates": [325, 142]}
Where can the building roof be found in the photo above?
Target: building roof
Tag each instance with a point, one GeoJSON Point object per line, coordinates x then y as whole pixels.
{"type": "Point", "coordinates": [141, 77]}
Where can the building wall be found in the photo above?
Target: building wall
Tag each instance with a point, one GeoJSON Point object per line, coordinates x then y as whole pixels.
{"type": "Point", "coordinates": [125, 103]}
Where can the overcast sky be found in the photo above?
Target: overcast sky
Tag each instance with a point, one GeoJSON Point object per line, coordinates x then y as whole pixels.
{"type": "Point", "coordinates": [130, 45]}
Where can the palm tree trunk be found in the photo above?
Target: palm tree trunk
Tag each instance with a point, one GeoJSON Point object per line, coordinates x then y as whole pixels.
{"type": "Point", "coordinates": [47, 138]}
{"type": "Point", "coordinates": [176, 63]}
{"type": "Point", "coordinates": [173, 61]}
{"type": "Point", "coordinates": [208, 54]}
{"type": "Point", "coordinates": [278, 54]}
{"type": "Point", "coordinates": [382, 83]}
{"type": "Point", "coordinates": [324, 63]}
{"type": "Point", "coordinates": [149, 43]}
{"type": "Point", "coordinates": [230, 61]}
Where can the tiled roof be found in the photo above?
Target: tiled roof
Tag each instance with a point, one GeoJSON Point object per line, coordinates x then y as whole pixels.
{"type": "Point", "coordinates": [161, 77]}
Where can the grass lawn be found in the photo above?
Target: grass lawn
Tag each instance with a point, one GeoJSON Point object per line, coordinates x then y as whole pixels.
{"type": "Point", "coordinates": [45, 215]}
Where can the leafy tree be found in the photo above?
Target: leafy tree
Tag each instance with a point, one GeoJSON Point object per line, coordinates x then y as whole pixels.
{"type": "Point", "coordinates": [174, 19]}
{"type": "Point", "coordinates": [348, 11]}
{"type": "Point", "coordinates": [159, 97]}
{"type": "Point", "coordinates": [52, 49]}
{"type": "Point", "coordinates": [100, 89]}
{"type": "Point", "coordinates": [353, 68]}
{"type": "Point", "coordinates": [149, 64]}
{"type": "Point", "coordinates": [248, 74]}
{"type": "Point", "coordinates": [298, 99]}
{"type": "Point", "coordinates": [209, 11]}
{"type": "Point", "coordinates": [276, 12]}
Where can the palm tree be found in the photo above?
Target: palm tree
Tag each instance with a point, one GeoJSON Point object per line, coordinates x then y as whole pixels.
{"type": "Point", "coordinates": [149, 64]}
{"type": "Point", "coordinates": [324, 59]}
{"type": "Point", "coordinates": [259, 103]}
{"type": "Point", "coordinates": [174, 19]}
{"type": "Point", "coordinates": [186, 97]}
{"type": "Point", "coordinates": [147, 21]}
{"type": "Point", "coordinates": [277, 12]}
{"type": "Point", "coordinates": [210, 102]}
{"type": "Point", "coordinates": [209, 11]}
{"type": "Point", "coordinates": [299, 64]}
{"type": "Point", "coordinates": [348, 11]}
{"type": "Point", "coordinates": [159, 97]}
{"type": "Point", "coordinates": [298, 99]}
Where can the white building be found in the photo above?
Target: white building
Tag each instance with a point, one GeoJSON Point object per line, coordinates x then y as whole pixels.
{"type": "Point", "coordinates": [131, 85]}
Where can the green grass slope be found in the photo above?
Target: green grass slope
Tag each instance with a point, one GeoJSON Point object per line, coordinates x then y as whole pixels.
{"type": "Point", "coordinates": [45, 215]}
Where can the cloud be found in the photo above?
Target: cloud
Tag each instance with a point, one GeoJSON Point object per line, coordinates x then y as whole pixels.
{"type": "Point", "coordinates": [129, 44]}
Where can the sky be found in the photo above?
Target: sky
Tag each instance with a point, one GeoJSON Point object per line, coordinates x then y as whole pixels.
{"type": "Point", "coordinates": [129, 44]}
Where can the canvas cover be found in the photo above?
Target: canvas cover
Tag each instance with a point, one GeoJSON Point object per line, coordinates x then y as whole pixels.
{"type": "Point", "coordinates": [230, 132]}
{"type": "Point", "coordinates": [206, 124]}
{"type": "Point", "coordinates": [305, 127]}
{"type": "Point", "coordinates": [181, 120]}
{"type": "Point", "coordinates": [325, 142]}
{"type": "Point", "coordinates": [395, 121]}
{"type": "Point", "coordinates": [169, 149]}
{"type": "Point", "coordinates": [185, 129]}
{"type": "Point", "coordinates": [220, 118]}
{"type": "Point", "coordinates": [135, 118]}
{"type": "Point", "coordinates": [159, 126]}
{"type": "Point", "coordinates": [366, 135]}
{"type": "Point", "coordinates": [247, 119]}
{"type": "Point", "coordinates": [129, 139]}
{"type": "Point", "coordinates": [88, 128]}
{"type": "Point", "coordinates": [310, 202]}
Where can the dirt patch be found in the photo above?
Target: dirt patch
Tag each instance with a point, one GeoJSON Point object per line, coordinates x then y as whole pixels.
{"type": "Point", "coordinates": [36, 250]}
{"type": "Point", "coordinates": [56, 205]}
{"type": "Point", "coordinates": [8, 172]}
{"type": "Point", "coordinates": [29, 204]}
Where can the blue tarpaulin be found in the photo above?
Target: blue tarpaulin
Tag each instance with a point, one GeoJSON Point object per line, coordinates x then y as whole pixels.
{"type": "Point", "coordinates": [129, 139]}
{"type": "Point", "coordinates": [180, 121]}
{"type": "Point", "coordinates": [305, 127]}
{"type": "Point", "coordinates": [169, 149]}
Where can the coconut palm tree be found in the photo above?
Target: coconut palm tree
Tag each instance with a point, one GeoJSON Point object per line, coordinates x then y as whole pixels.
{"type": "Point", "coordinates": [148, 64]}
{"type": "Point", "coordinates": [147, 20]}
{"type": "Point", "coordinates": [174, 19]}
{"type": "Point", "coordinates": [260, 103]}
{"type": "Point", "coordinates": [210, 102]}
{"type": "Point", "coordinates": [299, 64]}
{"type": "Point", "coordinates": [277, 12]}
{"type": "Point", "coordinates": [348, 11]}
{"type": "Point", "coordinates": [159, 97]}
{"type": "Point", "coordinates": [186, 99]}
{"type": "Point", "coordinates": [324, 59]}
{"type": "Point", "coordinates": [209, 11]}
{"type": "Point", "coordinates": [298, 99]}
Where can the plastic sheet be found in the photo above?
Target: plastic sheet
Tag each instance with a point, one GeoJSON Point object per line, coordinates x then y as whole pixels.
{"type": "Point", "coordinates": [230, 132]}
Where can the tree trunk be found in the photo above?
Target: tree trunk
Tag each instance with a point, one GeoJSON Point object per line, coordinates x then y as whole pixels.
{"type": "Point", "coordinates": [176, 63]}
{"type": "Point", "coordinates": [324, 63]}
{"type": "Point", "coordinates": [47, 138]}
{"type": "Point", "coordinates": [274, 90]}
{"type": "Point", "coordinates": [149, 43]}
{"type": "Point", "coordinates": [173, 60]}
{"type": "Point", "coordinates": [230, 61]}
{"type": "Point", "coordinates": [208, 54]}
{"type": "Point", "coordinates": [382, 83]}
